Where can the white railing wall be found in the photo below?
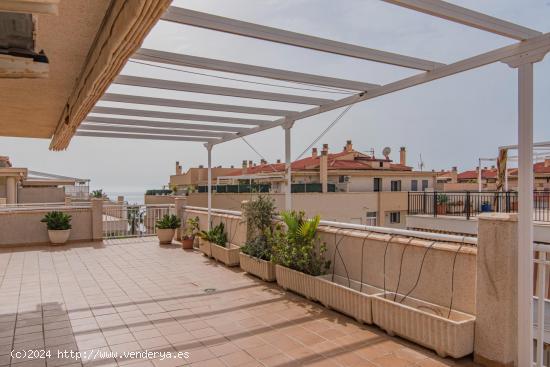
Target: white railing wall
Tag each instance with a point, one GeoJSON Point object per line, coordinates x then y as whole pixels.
{"type": "Point", "coordinates": [123, 220]}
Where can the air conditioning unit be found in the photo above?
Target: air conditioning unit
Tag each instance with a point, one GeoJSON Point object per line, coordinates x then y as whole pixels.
{"type": "Point", "coordinates": [347, 178]}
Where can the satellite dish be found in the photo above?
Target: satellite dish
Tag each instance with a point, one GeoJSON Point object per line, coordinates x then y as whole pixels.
{"type": "Point", "coordinates": [386, 152]}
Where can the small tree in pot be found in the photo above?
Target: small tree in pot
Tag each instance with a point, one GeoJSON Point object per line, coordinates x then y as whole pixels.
{"type": "Point", "coordinates": [59, 226]}
{"type": "Point", "coordinates": [190, 231]}
{"type": "Point", "coordinates": [166, 228]}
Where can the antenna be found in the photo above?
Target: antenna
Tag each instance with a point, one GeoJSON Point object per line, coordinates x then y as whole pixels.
{"type": "Point", "coordinates": [421, 163]}
{"type": "Point", "coordinates": [386, 152]}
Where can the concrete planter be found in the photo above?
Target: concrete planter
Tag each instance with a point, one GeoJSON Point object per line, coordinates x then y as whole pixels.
{"type": "Point", "coordinates": [59, 237]}
{"type": "Point", "coordinates": [261, 268]}
{"type": "Point", "coordinates": [227, 255]}
{"type": "Point", "coordinates": [205, 247]}
{"type": "Point", "coordinates": [303, 284]}
{"type": "Point", "coordinates": [348, 297]}
{"type": "Point", "coordinates": [426, 324]}
{"type": "Point", "coordinates": [166, 235]}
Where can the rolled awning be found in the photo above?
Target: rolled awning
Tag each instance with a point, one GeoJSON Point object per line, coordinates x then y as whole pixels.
{"type": "Point", "coordinates": [124, 28]}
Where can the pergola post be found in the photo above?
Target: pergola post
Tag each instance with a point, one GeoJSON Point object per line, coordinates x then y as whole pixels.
{"type": "Point", "coordinates": [288, 166]}
{"type": "Point", "coordinates": [525, 214]}
{"type": "Point", "coordinates": [209, 150]}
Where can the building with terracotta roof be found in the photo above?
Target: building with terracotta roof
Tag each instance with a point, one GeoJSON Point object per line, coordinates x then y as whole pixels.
{"type": "Point", "coordinates": [347, 170]}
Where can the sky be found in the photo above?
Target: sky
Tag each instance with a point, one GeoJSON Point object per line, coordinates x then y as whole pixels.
{"type": "Point", "coordinates": [448, 122]}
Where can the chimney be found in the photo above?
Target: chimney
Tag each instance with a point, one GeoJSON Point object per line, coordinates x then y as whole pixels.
{"type": "Point", "coordinates": [314, 153]}
{"type": "Point", "coordinates": [201, 166]}
{"type": "Point", "coordinates": [323, 170]}
{"type": "Point", "coordinates": [244, 167]}
{"type": "Point", "coordinates": [454, 175]}
{"type": "Point", "coordinates": [403, 156]}
{"type": "Point", "coordinates": [249, 164]}
{"type": "Point", "coordinates": [492, 167]}
{"type": "Point", "coordinates": [325, 147]}
{"type": "Point", "coordinates": [278, 161]}
{"type": "Point", "coordinates": [263, 161]}
{"type": "Point", "coordinates": [349, 146]}
{"type": "Point", "coordinates": [178, 168]}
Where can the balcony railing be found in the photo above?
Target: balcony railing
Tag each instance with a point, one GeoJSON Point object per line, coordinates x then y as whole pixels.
{"type": "Point", "coordinates": [470, 204]}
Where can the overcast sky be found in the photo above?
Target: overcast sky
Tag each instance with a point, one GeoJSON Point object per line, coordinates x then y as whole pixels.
{"type": "Point", "coordinates": [450, 122]}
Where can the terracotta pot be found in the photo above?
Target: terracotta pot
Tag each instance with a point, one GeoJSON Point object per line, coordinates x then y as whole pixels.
{"type": "Point", "coordinates": [425, 323]}
{"type": "Point", "coordinates": [261, 268]}
{"type": "Point", "coordinates": [442, 209]}
{"type": "Point", "coordinates": [187, 243]}
{"type": "Point", "coordinates": [59, 237]}
{"type": "Point", "coordinates": [165, 236]}
{"type": "Point", "coordinates": [227, 255]}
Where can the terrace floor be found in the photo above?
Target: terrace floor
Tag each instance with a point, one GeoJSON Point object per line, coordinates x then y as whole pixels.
{"type": "Point", "coordinates": [133, 295]}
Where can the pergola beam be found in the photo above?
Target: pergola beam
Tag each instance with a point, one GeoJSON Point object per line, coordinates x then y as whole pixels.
{"type": "Point", "coordinates": [177, 116]}
{"type": "Point", "coordinates": [222, 24]}
{"type": "Point", "coordinates": [153, 101]}
{"type": "Point", "coordinates": [143, 137]}
{"type": "Point", "coordinates": [137, 81]}
{"type": "Point", "coordinates": [149, 130]}
{"type": "Point", "coordinates": [163, 124]}
{"type": "Point", "coordinates": [246, 69]}
{"type": "Point", "coordinates": [468, 17]}
{"type": "Point", "coordinates": [536, 45]}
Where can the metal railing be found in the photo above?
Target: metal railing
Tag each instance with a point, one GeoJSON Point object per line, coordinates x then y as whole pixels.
{"type": "Point", "coordinates": [470, 204]}
{"type": "Point", "coordinates": [123, 220]}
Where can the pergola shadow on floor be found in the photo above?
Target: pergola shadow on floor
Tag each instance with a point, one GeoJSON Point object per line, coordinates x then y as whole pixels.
{"type": "Point", "coordinates": [134, 295]}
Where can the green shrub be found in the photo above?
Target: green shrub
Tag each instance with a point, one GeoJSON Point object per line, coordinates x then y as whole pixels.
{"type": "Point", "coordinates": [57, 221]}
{"type": "Point", "coordinates": [97, 194]}
{"type": "Point", "coordinates": [259, 220]}
{"type": "Point", "coordinates": [215, 235]}
{"type": "Point", "coordinates": [298, 247]}
{"type": "Point", "coordinates": [168, 222]}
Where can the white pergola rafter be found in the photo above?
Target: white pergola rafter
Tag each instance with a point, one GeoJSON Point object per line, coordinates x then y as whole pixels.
{"type": "Point", "coordinates": [178, 116]}
{"type": "Point", "coordinates": [151, 130]}
{"type": "Point", "coordinates": [100, 134]}
{"type": "Point", "coordinates": [238, 27]}
{"type": "Point", "coordinates": [137, 81]}
{"type": "Point", "coordinates": [246, 69]}
{"type": "Point", "coordinates": [522, 55]}
{"type": "Point", "coordinates": [162, 124]}
{"type": "Point", "coordinates": [153, 101]}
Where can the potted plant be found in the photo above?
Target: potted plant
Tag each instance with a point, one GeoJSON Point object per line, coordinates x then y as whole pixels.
{"type": "Point", "coordinates": [255, 256]}
{"type": "Point", "coordinates": [189, 233]}
{"type": "Point", "coordinates": [220, 249]}
{"type": "Point", "coordinates": [441, 203]}
{"type": "Point", "coordinates": [98, 194]}
{"type": "Point", "coordinates": [298, 253]}
{"type": "Point", "coordinates": [166, 228]}
{"type": "Point", "coordinates": [59, 226]}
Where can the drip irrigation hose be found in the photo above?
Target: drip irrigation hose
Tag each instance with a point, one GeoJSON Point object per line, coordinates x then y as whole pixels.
{"type": "Point", "coordinates": [336, 250]}
{"type": "Point", "coordinates": [362, 262]}
{"type": "Point", "coordinates": [419, 272]}
{"type": "Point", "coordinates": [453, 280]}
{"type": "Point", "coordinates": [400, 268]}
{"type": "Point", "coordinates": [384, 267]}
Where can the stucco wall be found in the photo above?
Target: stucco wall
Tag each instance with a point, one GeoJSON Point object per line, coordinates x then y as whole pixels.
{"type": "Point", "coordinates": [25, 228]}
{"type": "Point", "coordinates": [40, 195]}
{"type": "Point", "coordinates": [359, 249]}
{"type": "Point", "coordinates": [159, 199]}
{"type": "Point", "coordinates": [235, 227]}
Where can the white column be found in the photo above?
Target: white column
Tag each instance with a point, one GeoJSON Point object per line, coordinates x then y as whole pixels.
{"type": "Point", "coordinates": [209, 149]}
{"type": "Point", "coordinates": [525, 215]}
{"type": "Point", "coordinates": [288, 166]}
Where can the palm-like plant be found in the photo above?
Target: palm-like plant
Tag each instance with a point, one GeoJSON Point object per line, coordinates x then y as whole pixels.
{"type": "Point", "coordinates": [215, 235]}
{"type": "Point", "coordinates": [299, 248]}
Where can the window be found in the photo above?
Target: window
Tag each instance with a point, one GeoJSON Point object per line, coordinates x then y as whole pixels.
{"type": "Point", "coordinates": [414, 185]}
{"type": "Point", "coordinates": [396, 185]}
{"type": "Point", "coordinates": [395, 217]}
{"type": "Point", "coordinates": [371, 219]}
{"type": "Point", "coordinates": [424, 185]}
{"type": "Point", "coordinates": [377, 184]}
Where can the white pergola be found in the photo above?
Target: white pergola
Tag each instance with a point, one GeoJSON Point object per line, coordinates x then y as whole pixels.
{"type": "Point", "coordinates": [531, 47]}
